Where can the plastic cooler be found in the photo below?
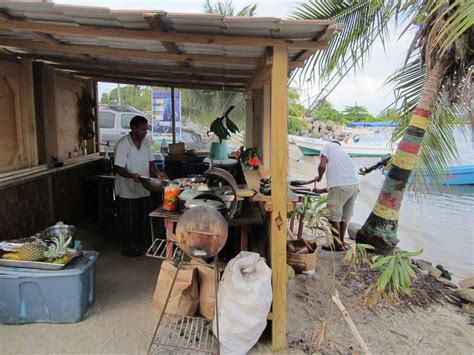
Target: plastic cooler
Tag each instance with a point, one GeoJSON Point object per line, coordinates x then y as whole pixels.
{"type": "Point", "coordinates": [48, 296]}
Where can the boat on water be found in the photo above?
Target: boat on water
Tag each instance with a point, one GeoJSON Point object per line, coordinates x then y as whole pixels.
{"type": "Point", "coordinates": [454, 175]}
{"type": "Point", "coordinates": [372, 124]}
{"type": "Point", "coordinates": [313, 146]}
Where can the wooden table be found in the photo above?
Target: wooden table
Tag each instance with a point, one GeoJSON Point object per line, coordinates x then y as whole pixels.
{"type": "Point", "coordinates": [250, 216]}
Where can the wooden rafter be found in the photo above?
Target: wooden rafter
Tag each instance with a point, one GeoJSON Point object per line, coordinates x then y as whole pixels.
{"type": "Point", "coordinates": [6, 54]}
{"type": "Point", "coordinates": [145, 67]}
{"type": "Point", "coordinates": [262, 69]}
{"type": "Point", "coordinates": [325, 36]}
{"type": "Point", "coordinates": [125, 80]}
{"type": "Point", "coordinates": [150, 75]}
{"type": "Point", "coordinates": [127, 53]}
{"type": "Point", "coordinates": [156, 25]}
{"type": "Point", "coordinates": [90, 31]}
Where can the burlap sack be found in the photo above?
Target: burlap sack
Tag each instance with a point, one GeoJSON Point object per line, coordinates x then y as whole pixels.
{"type": "Point", "coordinates": [207, 290]}
{"type": "Point", "coordinates": [184, 298]}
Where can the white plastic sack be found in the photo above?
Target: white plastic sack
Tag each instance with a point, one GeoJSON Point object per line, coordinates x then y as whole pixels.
{"type": "Point", "coordinates": [244, 300]}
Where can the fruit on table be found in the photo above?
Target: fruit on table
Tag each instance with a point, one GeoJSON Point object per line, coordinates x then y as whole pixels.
{"type": "Point", "coordinates": [57, 248]}
{"type": "Point", "coordinates": [11, 256]}
{"type": "Point", "coordinates": [245, 193]}
{"type": "Point", "coordinates": [32, 252]}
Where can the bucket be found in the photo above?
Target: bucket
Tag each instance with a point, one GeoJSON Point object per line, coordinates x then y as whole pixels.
{"type": "Point", "coordinates": [218, 151]}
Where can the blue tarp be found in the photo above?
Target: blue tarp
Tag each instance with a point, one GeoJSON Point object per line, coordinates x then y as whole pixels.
{"type": "Point", "coordinates": [372, 124]}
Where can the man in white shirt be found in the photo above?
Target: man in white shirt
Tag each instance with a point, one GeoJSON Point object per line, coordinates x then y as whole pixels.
{"type": "Point", "coordinates": [132, 159]}
{"type": "Point", "coordinates": [342, 187]}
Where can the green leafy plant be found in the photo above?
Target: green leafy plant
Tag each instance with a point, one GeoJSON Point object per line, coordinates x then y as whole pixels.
{"type": "Point", "coordinates": [396, 277]}
{"type": "Point", "coordinates": [250, 157]}
{"type": "Point", "coordinates": [357, 256]}
{"type": "Point", "coordinates": [315, 214]}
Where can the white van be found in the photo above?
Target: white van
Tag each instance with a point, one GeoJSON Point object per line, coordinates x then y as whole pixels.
{"type": "Point", "coordinates": [114, 123]}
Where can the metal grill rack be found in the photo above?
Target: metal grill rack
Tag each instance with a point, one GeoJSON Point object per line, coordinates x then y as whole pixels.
{"type": "Point", "coordinates": [176, 334]}
{"type": "Point", "coordinates": [164, 250]}
{"type": "Point", "coordinates": [184, 333]}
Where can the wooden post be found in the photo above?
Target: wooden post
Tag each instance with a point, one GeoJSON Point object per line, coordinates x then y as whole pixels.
{"type": "Point", "coordinates": [249, 122]}
{"type": "Point", "coordinates": [49, 105]}
{"type": "Point", "coordinates": [279, 161]}
{"type": "Point", "coordinates": [95, 95]}
{"type": "Point", "coordinates": [173, 116]}
{"type": "Point", "coordinates": [266, 131]}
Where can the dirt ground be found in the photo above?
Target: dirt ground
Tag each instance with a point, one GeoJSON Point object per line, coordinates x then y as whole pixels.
{"type": "Point", "coordinates": [123, 319]}
{"type": "Point", "coordinates": [439, 328]}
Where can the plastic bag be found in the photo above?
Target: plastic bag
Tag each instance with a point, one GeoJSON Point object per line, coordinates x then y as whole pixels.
{"type": "Point", "coordinates": [244, 300]}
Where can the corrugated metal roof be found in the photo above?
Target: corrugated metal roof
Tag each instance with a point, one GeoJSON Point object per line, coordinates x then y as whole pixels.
{"type": "Point", "coordinates": [102, 49]}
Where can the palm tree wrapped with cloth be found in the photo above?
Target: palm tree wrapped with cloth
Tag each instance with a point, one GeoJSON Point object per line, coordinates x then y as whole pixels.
{"type": "Point", "coordinates": [432, 87]}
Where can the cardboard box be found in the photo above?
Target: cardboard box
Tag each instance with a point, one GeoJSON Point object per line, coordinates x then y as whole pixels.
{"type": "Point", "coordinates": [177, 149]}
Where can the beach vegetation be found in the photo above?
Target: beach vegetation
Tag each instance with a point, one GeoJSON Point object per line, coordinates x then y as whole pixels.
{"type": "Point", "coordinates": [296, 111]}
{"type": "Point", "coordinates": [432, 87]}
{"type": "Point", "coordinates": [395, 278]}
{"type": "Point", "coordinates": [357, 256]}
{"type": "Point", "coordinates": [357, 113]}
{"type": "Point", "coordinates": [326, 112]}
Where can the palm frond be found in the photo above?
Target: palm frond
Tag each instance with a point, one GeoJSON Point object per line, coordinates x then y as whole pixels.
{"type": "Point", "coordinates": [364, 21]}
{"type": "Point", "coordinates": [457, 17]}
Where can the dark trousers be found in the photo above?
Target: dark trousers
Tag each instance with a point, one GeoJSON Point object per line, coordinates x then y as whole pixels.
{"type": "Point", "coordinates": [134, 222]}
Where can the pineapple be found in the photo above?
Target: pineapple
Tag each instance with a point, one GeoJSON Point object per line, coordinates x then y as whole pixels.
{"type": "Point", "coordinates": [32, 252]}
{"type": "Point", "coordinates": [57, 249]}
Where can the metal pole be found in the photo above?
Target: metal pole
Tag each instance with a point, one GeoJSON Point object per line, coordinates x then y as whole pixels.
{"type": "Point", "coordinates": [119, 96]}
{"type": "Point", "coordinates": [173, 115]}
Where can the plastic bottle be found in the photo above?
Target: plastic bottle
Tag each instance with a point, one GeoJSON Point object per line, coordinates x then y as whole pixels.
{"type": "Point", "coordinates": [164, 147]}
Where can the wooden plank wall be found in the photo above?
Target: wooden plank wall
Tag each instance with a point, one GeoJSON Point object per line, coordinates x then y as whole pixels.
{"type": "Point", "coordinates": [67, 95]}
{"type": "Point", "coordinates": [17, 120]}
{"type": "Point", "coordinates": [25, 208]}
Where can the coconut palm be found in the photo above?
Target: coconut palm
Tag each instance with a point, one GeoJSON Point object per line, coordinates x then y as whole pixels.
{"type": "Point", "coordinates": [226, 8]}
{"type": "Point", "coordinates": [432, 86]}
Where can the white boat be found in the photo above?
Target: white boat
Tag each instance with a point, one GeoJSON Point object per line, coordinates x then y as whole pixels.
{"type": "Point", "coordinates": [313, 146]}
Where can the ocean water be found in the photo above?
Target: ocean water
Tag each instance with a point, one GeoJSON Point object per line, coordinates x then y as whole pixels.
{"type": "Point", "coordinates": [441, 223]}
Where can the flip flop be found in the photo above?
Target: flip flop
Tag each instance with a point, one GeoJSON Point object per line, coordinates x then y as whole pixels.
{"type": "Point", "coordinates": [328, 248]}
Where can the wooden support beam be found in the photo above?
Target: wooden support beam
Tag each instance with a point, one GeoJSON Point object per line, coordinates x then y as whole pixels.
{"type": "Point", "coordinates": [267, 124]}
{"type": "Point", "coordinates": [148, 67]}
{"type": "Point", "coordinates": [6, 54]}
{"type": "Point", "coordinates": [324, 36]}
{"type": "Point", "coordinates": [153, 75]}
{"type": "Point", "coordinates": [156, 25]}
{"type": "Point", "coordinates": [279, 159]}
{"type": "Point", "coordinates": [166, 81]}
{"type": "Point", "coordinates": [125, 80]}
{"type": "Point", "coordinates": [90, 31]}
{"type": "Point", "coordinates": [249, 122]}
{"type": "Point", "coordinates": [127, 53]}
{"type": "Point", "coordinates": [45, 38]}
{"type": "Point", "coordinates": [262, 67]}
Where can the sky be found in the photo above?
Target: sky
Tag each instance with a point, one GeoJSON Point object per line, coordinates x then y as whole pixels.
{"type": "Point", "coordinates": [366, 87]}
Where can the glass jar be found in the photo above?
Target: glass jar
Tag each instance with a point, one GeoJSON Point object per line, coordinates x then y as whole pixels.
{"type": "Point", "coordinates": [170, 200]}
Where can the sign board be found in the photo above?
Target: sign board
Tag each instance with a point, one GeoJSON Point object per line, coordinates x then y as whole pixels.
{"type": "Point", "coordinates": [162, 117]}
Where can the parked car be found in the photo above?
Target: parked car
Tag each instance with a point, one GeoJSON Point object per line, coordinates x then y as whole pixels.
{"type": "Point", "coordinates": [114, 123]}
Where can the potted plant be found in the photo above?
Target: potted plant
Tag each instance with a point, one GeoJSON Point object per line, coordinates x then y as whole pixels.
{"type": "Point", "coordinates": [222, 127]}
{"type": "Point", "coordinates": [250, 158]}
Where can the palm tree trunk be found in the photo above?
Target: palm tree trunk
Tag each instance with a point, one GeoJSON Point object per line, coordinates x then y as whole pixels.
{"type": "Point", "coordinates": [380, 228]}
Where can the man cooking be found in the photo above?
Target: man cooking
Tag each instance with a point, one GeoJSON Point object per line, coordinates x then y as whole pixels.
{"type": "Point", "coordinates": [132, 159]}
{"type": "Point", "coordinates": [342, 188]}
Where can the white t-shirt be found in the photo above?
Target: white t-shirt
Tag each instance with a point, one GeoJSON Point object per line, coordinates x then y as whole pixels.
{"type": "Point", "coordinates": [136, 161]}
{"type": "Point", "coordinates": [340, 170]}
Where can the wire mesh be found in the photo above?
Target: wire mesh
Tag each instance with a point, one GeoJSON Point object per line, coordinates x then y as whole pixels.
{"type": "Point", "coordinates": [177, 333]}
